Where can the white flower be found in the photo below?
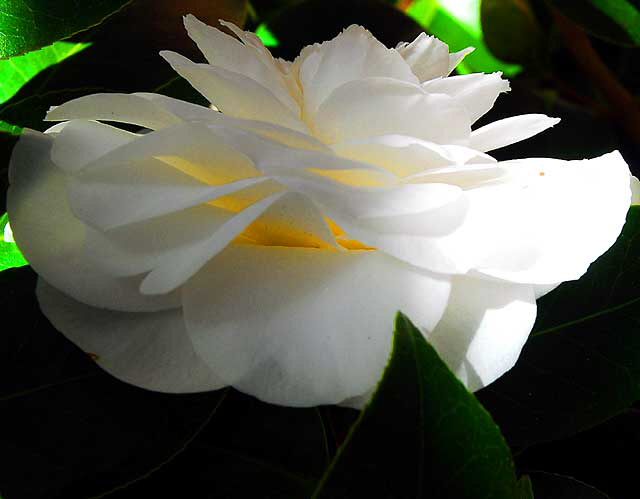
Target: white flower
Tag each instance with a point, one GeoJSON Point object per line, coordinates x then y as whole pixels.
{"type": "Point", "coordinates": [269, 245]}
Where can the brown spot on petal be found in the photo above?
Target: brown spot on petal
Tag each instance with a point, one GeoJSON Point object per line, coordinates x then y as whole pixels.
{"type": "Point", "coordinates": [94, 356]}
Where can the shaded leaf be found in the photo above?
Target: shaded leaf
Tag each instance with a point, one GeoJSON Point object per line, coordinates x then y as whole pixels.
{"type": "Point", "coordinates": [615, 21]}
{"type": "Point", "coordinates": [511, 31]}
{"type": "Point", "coordinates": [421, 435]}
{"type": "Point", "coordinates": [581, 364]}
{"type": "Point", "coordinates": [27, 25]}
{"type": "Point", "coordinates": [68, 429]}
{"type": "Point", "coordinates": [578, 456]}
{"type": "Point", "coordinates": [553, 486]}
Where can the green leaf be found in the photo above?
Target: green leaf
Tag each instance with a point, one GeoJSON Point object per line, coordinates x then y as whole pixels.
{"type": "Point", "coordinates": [457, 23]}
{"type": "Point", "coordinates": [616, 21]}
{"type": "Point", "coordinates": [421, 435]}
{"type": "Point", "coordinates": [27, 25]}
{"type": "Point", "coordinates": [554, 486]}
{"type": "Point", "coordinates": [581, 364]}
{"type": "Point", "coordinates": [10, 255]}
{"type": "Point", "coordinates": [16, 71]}
{"type": "Point", "coordinates": [511, 30]}
{"type": "Point", "coordinates": [9, 128]}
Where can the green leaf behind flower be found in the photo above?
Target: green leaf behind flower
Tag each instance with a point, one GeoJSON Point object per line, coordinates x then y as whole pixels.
{"type": "Point", "coordinates": [554, 486]}
{"type": "Point", "coordinates": [617, 21]}
{"type": "Point", "coordinates": [16, 71]}
{"type": "Point", "coordinates": [10, 255]}
{"type": "Point", "coordinates": [422, 435]}
{"type": "Point", "coordinates": [581, 364]}
{"type": "Point", "coordinates": [27, 25]}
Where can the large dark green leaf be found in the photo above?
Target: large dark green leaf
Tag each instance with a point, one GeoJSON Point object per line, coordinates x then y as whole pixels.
{"type": "Point", "coordinates": [422, 435]}
{"type": "Point", "coordinates": [553, 486]}
{"type": "Point", "coordinates": [27, 25]}
{"type": "Point", "coordinates": [617, 21]}
{"type": "Point", "coordinates": [582, 362]}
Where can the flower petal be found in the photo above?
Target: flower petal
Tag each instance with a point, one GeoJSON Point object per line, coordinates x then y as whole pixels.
{"type": "Point", "coordinates": [427, 56]}
{"type": "Point", "coordinates": [139, 247]}
{"type": "Point", "coordinates": [477, 92]}
{"type": "Point", "coordinates": [484, 328]}
{"type": "Point", "coordinates": [400, 108]}
{"type": "Point", "coordinates": [509, 131]}
{"type": "Point", "coordinates": [233, 93]}
{"type": "Point", "coordinates": [352, 55]}
{"type": "Point", "coordinates": [227, 52]}
{"type": "Point", "coordinates": [573, 211]}
{"type": "Point", "coordinates": [404, 155]}
{"type": "Point", "coordinates": [80, 142]}
{"type": "Point", "coordinates": [175, 267]}
{"type": "Point", "coordinates": [52, 238]}
{"type": "Point", "coordinates": [125, 108]}
{"type": "Point", "coordinates": [156, 112]}
{"type": "Point", "coordinates": [149, 350]}
{"type": "Point", "coordinates": [456, 58]}
{"type": "Point", "coordinates": [274, 322]}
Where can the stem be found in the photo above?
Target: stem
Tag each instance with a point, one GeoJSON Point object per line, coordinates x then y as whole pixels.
{"type": "Point", "coordinates": [623, 105]}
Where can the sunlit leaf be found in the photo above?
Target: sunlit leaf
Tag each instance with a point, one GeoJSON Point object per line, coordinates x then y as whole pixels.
{"type": "Point", "coordinates": [266, 36]}
{"type": "Point", "coordinates": [27, 25]}
{"type": "Point", "coordinates": [16, 71]}
{"type": "Point", "coordinates": [10, 255]}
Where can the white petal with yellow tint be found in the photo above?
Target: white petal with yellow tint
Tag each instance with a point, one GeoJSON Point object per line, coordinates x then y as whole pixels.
{"type": "Point", "coordinates": [52, 238]}
{"type": "Point", "coordinates": [352, 55]}
{"type": "Point", "coordinates": [484, 328]}
{"type": "Point", "coordinates": [303, 327]}
{"type": "Point", "coordinates": [138, 190]}
{"type": "Point", "coordinates": [229, 53]}
{"type": "Point", "coordinates": [81, 142]}
{"type": "Point", "coordinates": [477, 92]}
{"type": "Point", "coordinates": [509, 131]}
{"type": "Point", "coordinates": [233, 93]}
{"type": "Point", "coordinates": [175, 267]}
{"type": "Point", "coordinates": [361, 202]}
{"type": "Point", "coordinates": [294, 221]}
{"type": "Point", "coordinates": [139, 247]}
{"type": "Point", "coordinates": [400, 108]}
{"type": "Point", "coordinates": [427, 56]}
{"type": "Point", "coordinates": [151, 350]}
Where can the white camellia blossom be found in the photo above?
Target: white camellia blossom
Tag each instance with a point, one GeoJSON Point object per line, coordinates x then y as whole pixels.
{"type": "Point", "coordinates": [267, 242]}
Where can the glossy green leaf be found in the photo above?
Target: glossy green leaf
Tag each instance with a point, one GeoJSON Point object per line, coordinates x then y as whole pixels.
{"type": "Point", "coordinates": [616, 21]}
{"type": "Point", "coordinates": [421, 435]}
{"type": "Point", "coordinates": [458, 24]}
{"type": "Point", "coordinates": [27, 25]}
{"type": "Point", "coordinates": [16, 71]}
{"type": "Point", "coordinates": [554, 486]}
{"type": "Point", "coordinates": [581, 365]}
{"type": "Point", "coordinates": [10, 255]}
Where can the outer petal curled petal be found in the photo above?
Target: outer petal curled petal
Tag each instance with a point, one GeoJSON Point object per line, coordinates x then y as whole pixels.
{"type": "Point", "coordinates": [151, 350]}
